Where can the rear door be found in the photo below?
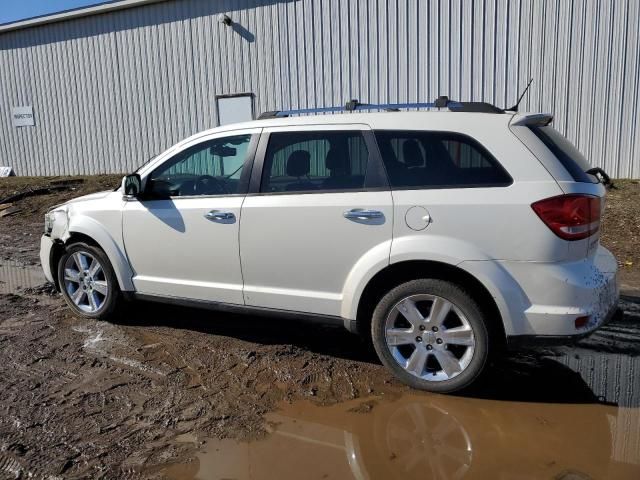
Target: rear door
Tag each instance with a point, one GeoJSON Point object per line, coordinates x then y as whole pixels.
{"type": "Point", "coordinates": [318, 206]}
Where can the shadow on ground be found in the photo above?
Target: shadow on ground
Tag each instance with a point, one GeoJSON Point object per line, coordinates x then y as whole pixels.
{"type": "Point", "coordinates": [546, 376]}
{"type": "Point", "coordinates": [319, 338]}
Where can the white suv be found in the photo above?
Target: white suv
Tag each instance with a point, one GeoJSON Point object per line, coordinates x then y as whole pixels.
{"type": "Point", "coordinates": [442, 235]}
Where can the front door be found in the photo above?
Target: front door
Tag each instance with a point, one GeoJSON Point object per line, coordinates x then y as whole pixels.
{"type": "Point", "coordinates": [322, 207]}
{"type": "Point", "coordinates": [182, 237]}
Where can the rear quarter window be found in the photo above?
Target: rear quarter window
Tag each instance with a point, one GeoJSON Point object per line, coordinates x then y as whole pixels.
{"type": "Point", "coordinates": [419, 159]}
{"type": "Point", "coordinates": [567, 154]}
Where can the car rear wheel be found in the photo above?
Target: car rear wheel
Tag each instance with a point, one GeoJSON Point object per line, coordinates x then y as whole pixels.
{"type": "Point", "coordinates": [88, 282]}
{"type": "Point", "coordinates": [432, 335]}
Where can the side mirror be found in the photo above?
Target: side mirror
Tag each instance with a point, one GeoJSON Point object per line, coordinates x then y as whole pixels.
{"type": "Point", "coordinates": [131, 186]}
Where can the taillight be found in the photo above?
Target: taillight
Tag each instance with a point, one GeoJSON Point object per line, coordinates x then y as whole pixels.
{"type": "Point", "coordinates": [572, 217]}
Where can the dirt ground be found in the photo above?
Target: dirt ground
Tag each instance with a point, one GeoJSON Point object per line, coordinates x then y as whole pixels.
{"type": "Point", "coordinates": [94, 399]}
{"type": "Point", "coordinates": [621, 230]}
{"type": "Point", "coordinates": [20, 232]}
{"type": "Point", "coordinates": [87, 399]}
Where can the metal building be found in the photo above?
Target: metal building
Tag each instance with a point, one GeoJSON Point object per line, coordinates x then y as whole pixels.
{"type": "Point", "coordinates": [101, 89]}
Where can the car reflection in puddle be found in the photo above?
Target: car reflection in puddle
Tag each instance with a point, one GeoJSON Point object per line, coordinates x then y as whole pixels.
{"type": "Point", "coordinates": [434, 437]}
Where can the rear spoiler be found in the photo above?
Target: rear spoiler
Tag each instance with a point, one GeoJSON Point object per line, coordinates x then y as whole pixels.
{"type": "Point", "coordinates": [533, 119]}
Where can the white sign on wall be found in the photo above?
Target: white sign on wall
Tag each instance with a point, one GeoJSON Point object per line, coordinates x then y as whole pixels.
{"type": "Point", "coordinates": [22, 116]}
{"type": "Point", "coordinates": [6, 172]}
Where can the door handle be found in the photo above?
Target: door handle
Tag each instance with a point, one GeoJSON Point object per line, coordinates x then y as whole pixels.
{"type": "Point", "coordinates": [362, 214]}
{"type": "Point", "coordinates": [218, 216]}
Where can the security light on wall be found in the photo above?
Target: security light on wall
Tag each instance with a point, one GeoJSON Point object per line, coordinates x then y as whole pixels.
{"type": "Point", "coordinates": [225, 19]}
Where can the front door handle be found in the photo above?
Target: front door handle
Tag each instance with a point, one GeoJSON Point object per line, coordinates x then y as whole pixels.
{"type": "Point", "coordinates": [218, 216]}
{"type": "Point", "coordinates": [362, 214]}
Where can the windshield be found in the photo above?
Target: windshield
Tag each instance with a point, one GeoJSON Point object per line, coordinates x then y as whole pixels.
{"type": "Point", "coordinates": [568, 155]}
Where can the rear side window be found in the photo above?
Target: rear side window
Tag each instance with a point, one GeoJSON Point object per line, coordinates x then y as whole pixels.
{"type": "Point", "coordinates": [315, 161]}
{"type": "Point", "coordinates": [569, 156]}
{"type": "Point", "coordinates": [415, 159]}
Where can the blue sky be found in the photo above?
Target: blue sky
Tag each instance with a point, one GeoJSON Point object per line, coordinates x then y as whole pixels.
{"type": "Point", "coordinates": [12, 10]}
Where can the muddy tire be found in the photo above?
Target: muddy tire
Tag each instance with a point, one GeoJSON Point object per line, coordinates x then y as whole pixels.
{"type": "Point", "coordinates": [432, 335]}
{"type": "Point", "coordinates": [88, 283]}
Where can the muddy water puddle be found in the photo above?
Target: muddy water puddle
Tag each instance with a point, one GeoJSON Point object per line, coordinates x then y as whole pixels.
{"type": "Point", "coordinates": [430, 437]}
{"type": "Point", "coordinates": [14, 276]}
{"type": "Point", "coordinates": [568, 414]}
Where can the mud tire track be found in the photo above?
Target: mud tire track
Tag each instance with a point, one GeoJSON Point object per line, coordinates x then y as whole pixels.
{"type": "Point", "coordinates": [101, 400]}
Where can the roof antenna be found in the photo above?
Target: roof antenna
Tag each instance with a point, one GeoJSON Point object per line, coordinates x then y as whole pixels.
{"type": "Point", "coordinates": [515, 107]}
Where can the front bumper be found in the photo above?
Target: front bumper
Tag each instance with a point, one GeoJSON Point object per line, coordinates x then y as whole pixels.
{"type": "Point", "coordinates": [46, 246]}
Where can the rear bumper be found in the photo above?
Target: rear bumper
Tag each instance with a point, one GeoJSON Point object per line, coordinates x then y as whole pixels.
{"type": "Point", "coordinates": [46, 245]}
{"type": "Point", "coordinates": [521, 342]}
{"type": "Point", "coordinates": [544, 299]}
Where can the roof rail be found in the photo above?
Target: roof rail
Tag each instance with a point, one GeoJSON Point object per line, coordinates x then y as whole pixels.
{"type": "Point", "coordinates": [354, 105]}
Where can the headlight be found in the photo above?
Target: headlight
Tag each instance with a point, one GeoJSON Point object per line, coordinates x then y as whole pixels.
{"type": "Point", "coordinates": [56, 220]}
{"type": "Point", "coordinates": [48, 223]}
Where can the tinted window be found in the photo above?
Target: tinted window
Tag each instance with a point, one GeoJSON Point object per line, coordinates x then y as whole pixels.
{"type": "Point", "coordinates": [208, 168]}
{"type": "Point", "coordinates": [415, 159]}
{"type": "Point", "coordinates": [566, 153]}
{"type": "Point", "coordinates": [315, 161]}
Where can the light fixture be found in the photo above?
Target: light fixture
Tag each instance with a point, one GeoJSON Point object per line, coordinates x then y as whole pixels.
{"type": "Point", "coordinates": [225, 19]}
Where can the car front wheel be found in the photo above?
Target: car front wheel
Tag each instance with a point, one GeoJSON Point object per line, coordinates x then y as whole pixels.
{"type": "Point", "coordinates": [432, 335]}
{"type": "Point", "coordinates": [88, 282]}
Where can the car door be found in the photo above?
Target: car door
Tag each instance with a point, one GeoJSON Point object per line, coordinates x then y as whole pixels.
{"type": "Point", "coordinates": [181, 237]}
{"type": "Point", "coordinates": [318, 205]}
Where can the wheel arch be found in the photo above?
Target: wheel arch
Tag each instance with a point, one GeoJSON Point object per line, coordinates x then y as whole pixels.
{"type": "Point", "coordinates": [91, 232]}
{"type": "Point", "coordinates": [397, 273]}
{"type": "Point", "coordinates": [59, 247]}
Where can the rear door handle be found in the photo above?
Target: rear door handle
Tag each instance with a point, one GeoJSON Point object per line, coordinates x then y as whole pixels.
{"type": "Point", "coordinates": [218, 216]}
{"type": "Point", "coordinates": [362, 214]}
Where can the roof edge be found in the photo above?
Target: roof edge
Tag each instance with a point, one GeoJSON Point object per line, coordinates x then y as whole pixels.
{"type": "Point", "coordinates": [73, 13]}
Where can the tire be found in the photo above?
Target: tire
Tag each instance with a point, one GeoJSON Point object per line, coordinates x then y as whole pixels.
{"type": "Point", "coordinates": [98, 293]}
{"type": "Point", "coordinates": [415, 343]}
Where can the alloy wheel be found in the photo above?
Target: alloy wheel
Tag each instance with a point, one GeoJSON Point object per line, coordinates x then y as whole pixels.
{"type": "Point", "coordinates": [85, 281]}
{"type": "Point", "coordinates": [429, 337]}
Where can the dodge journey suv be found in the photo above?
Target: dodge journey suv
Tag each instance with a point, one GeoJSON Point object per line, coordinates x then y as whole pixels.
{"type": "Point", "coordinates": [442, 236]}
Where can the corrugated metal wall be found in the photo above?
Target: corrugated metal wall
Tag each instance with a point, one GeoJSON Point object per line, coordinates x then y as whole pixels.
{"type": "Point", "coordinates": [15, 276]}
{"type": "Point", "coordinates": [110, 90]}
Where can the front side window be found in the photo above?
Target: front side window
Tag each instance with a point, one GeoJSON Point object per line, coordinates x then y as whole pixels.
{"type": "Point", "coordinates": [212, 167]}
{"type": "Point", "coordinates": [417, 159]}
{"type": "Point", "coordinates": [315, 161]}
